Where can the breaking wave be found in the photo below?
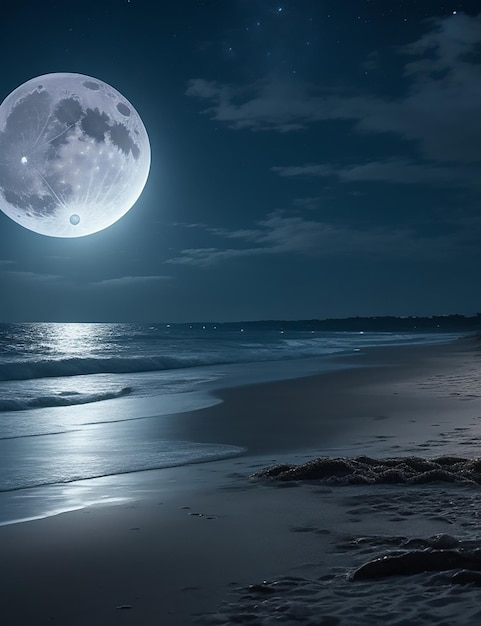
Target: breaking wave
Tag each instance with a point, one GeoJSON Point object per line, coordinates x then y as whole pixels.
{"type": "Point", "coordinates": [160, 354]}
{"type": "Point", "coordinates": [26, 370]}
{"type": "Point", "coordinates": [66, 399]}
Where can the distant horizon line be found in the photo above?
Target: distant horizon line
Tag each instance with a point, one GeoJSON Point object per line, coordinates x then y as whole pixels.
{"type": "Point", "coordinates": [435, 316]}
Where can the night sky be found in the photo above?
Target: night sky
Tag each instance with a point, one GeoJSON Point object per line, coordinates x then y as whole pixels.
{"type": "Point", "coordinates": [310, 159]}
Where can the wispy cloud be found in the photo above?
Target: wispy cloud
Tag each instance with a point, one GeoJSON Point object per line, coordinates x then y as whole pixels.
{"type": "Point", "coordinates": [20, 275]}
{"type": "Point", "coordinates": [130, 281]}
{"type": "Point", "coordinates": [438, 112]}
{"type": "Point", "coordinates": [280, 233]}
{"type": "Point", "coordinates": [394, 170]}
{"type": "Point", "coordinates": [265, 105]}
{"type": "Point", "coordinates": [309, 203]}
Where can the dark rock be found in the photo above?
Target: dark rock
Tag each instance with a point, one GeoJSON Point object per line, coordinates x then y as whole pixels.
{"type": "Point", "coordinates": [466, 577]}
{"type": "Point", "coordinates": [365, 470]}
{"type": "Point", "coordinates": [261, 588]}
{"type": "Point", "coordinates": [418, 561]}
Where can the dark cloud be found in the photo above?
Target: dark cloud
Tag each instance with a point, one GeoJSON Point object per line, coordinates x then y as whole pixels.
{"type": "Point", "coordinates": [21, 276]}
{"type": "Point", "coordinates": [438, 111]}
{"type": "Point", "coordinates": [393, 170]}
{"type": "Point", "coordinates": [284, 234]}
{"type": "Point", "coordinates": [126, 282]}
{"type": "Point", "coordinates": [271, 104]}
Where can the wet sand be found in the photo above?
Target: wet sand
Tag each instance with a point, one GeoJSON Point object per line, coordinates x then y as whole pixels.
{"type": "Point", "coordinates": [186, 543]}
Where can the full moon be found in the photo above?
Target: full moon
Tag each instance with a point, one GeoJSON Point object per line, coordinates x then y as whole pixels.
{"type": "Point", "coordinates": [74, 155]}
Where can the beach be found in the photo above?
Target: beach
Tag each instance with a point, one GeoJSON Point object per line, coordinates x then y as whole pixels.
{"type": "Point", "coordinates": [210, 543]}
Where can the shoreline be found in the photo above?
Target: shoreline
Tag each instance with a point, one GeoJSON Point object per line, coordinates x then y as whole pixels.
{"type": "Point", "coordinates": [136, 434]}
{"type": "Point", "coordinates": [336, 406]}
{"type": "Point", "coordinates": [185, 539]}
{"type": "Point", "coordinates": [317, 399]}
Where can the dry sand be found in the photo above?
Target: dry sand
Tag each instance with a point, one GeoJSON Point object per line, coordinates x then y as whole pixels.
{"type": "Point", "coordinates": [188, 542]}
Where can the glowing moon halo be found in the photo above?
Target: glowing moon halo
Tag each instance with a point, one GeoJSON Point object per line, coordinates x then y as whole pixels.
{"type": "Point", "coordinates": [74, 155]}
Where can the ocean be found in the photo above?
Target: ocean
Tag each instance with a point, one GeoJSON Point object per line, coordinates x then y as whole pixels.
{"type": "Point", "coordinates": [79, 401]}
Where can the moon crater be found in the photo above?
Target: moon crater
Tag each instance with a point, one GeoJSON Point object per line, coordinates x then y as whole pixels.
{"type": "Point", "coordinates": [74, 155]}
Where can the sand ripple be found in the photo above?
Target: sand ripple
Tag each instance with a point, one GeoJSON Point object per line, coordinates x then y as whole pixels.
{"type": "Point", "coordinates": [419, 601]}
{"type": "Point", "coordinates": [403, 594]}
